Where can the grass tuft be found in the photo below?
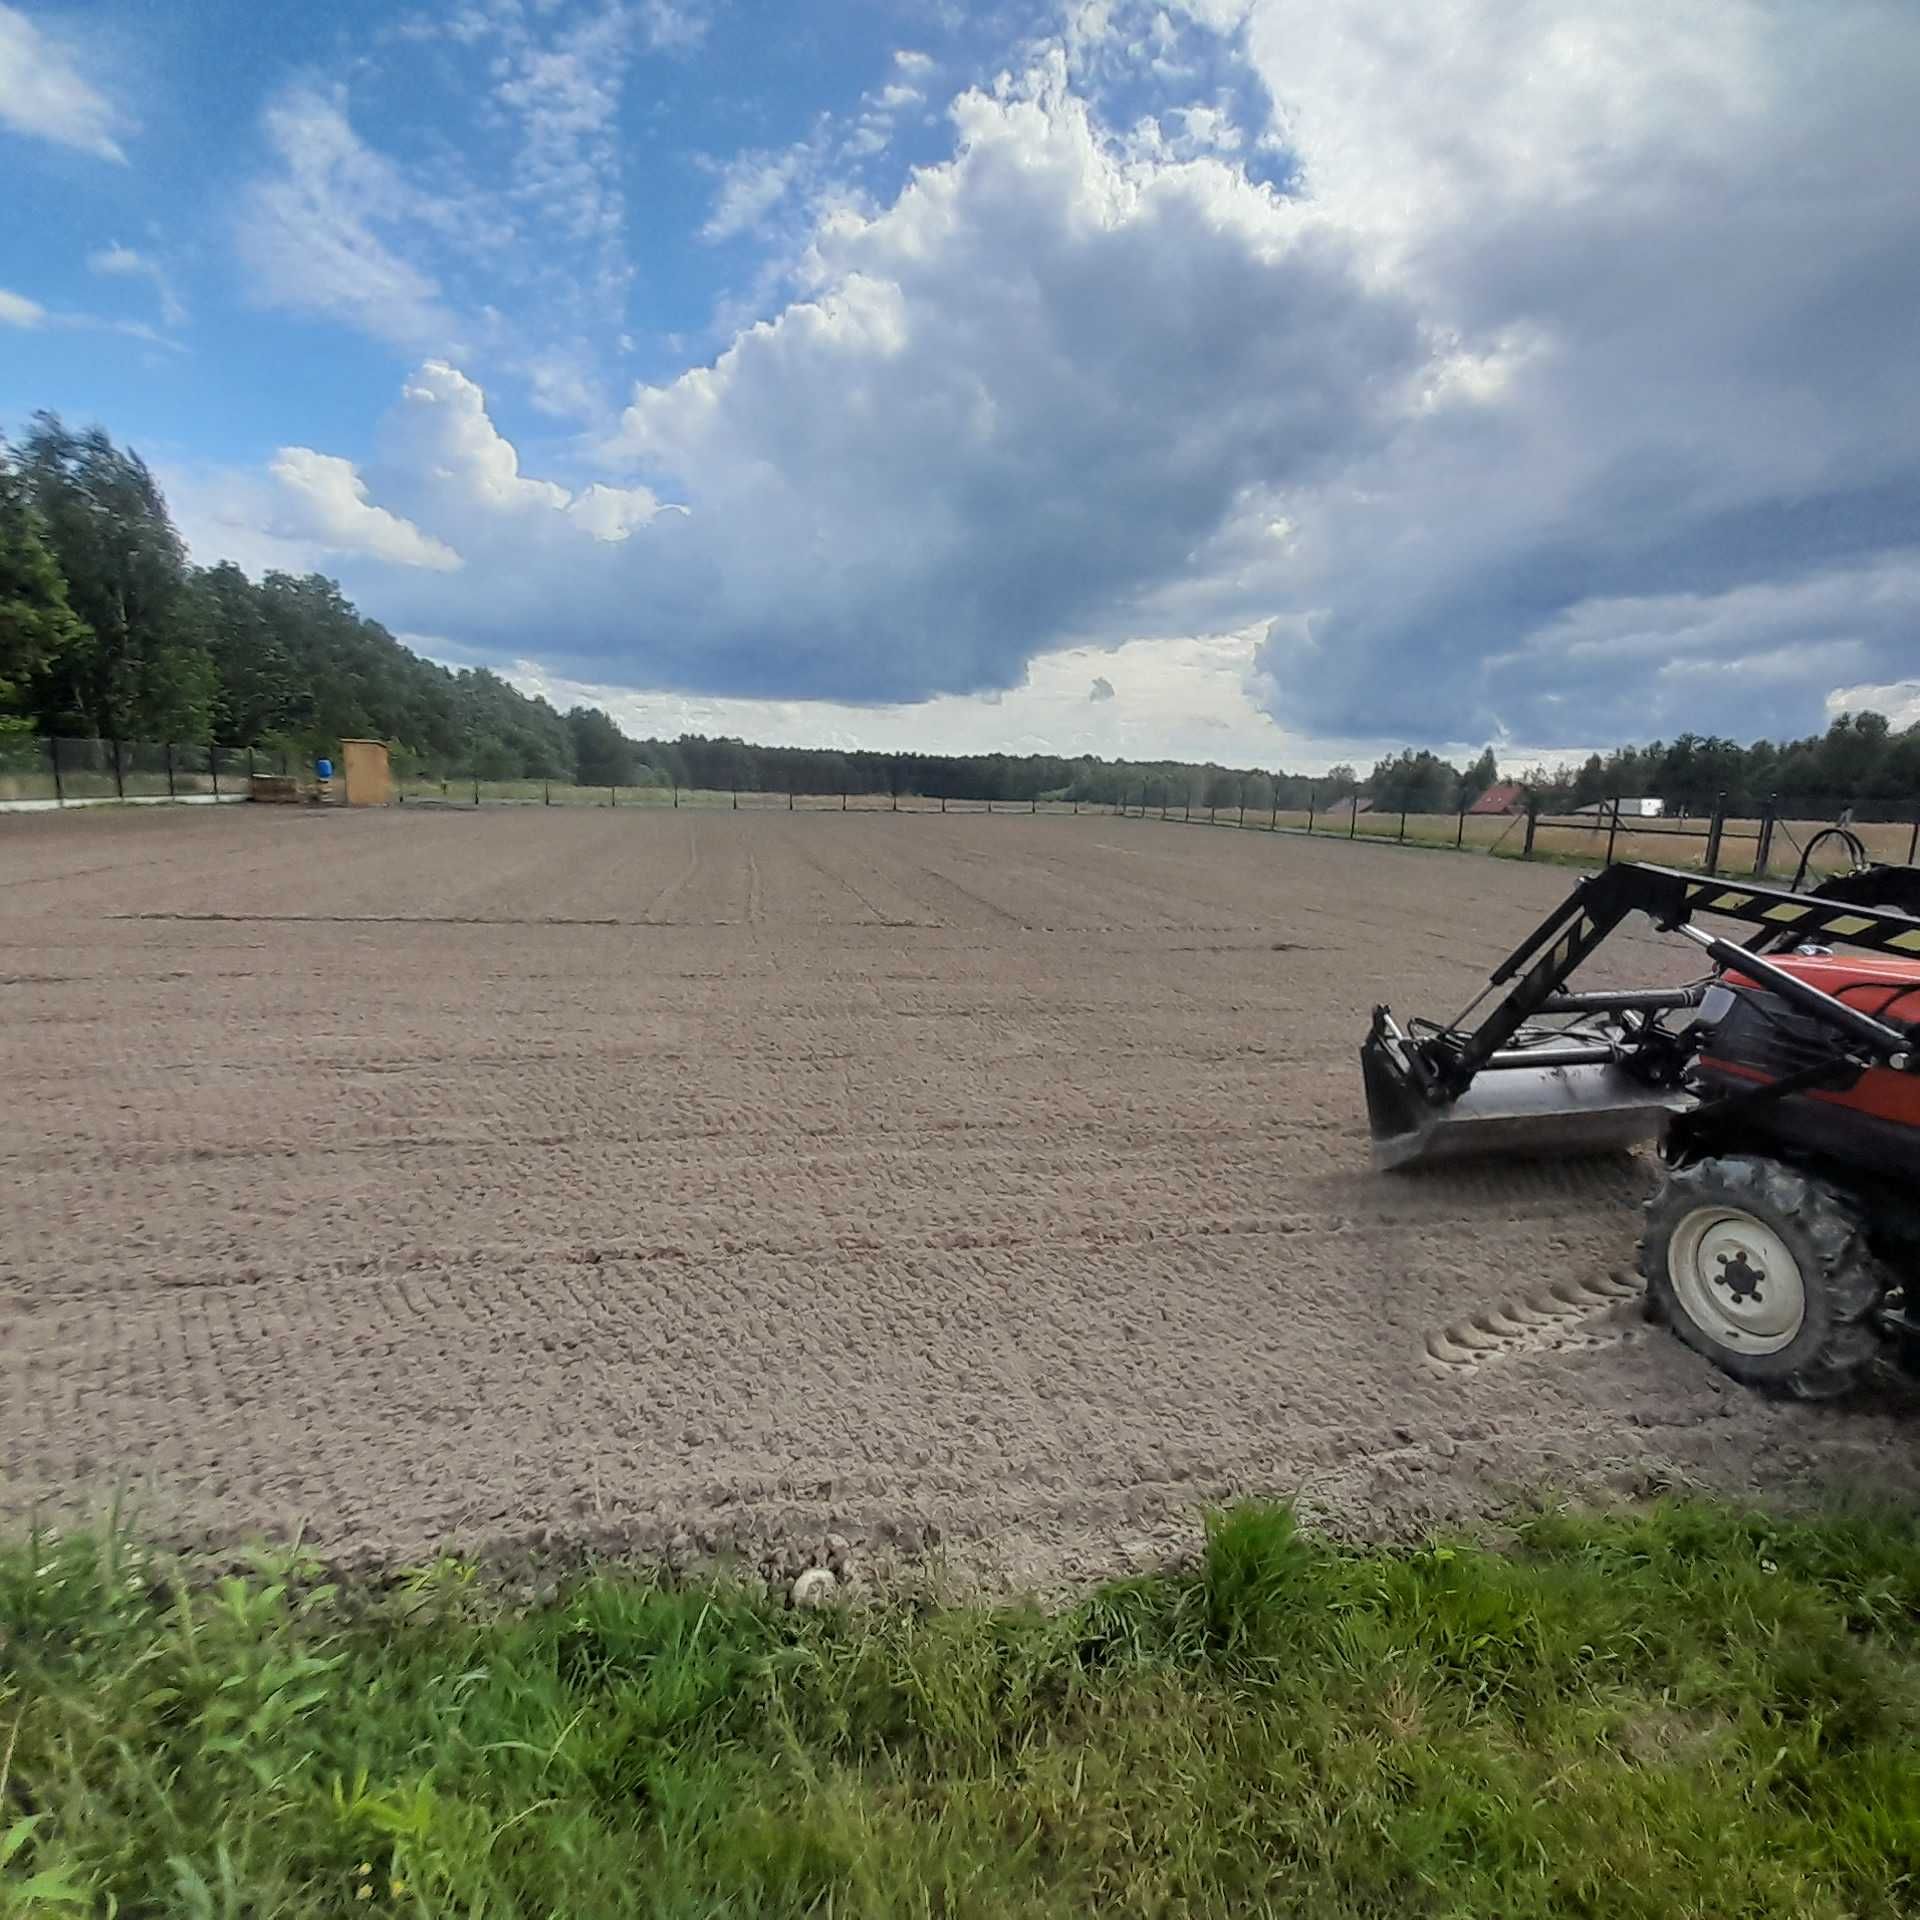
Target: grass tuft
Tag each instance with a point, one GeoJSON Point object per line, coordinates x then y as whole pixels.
{"type": "Point", "coordinates": [1685, 1709]}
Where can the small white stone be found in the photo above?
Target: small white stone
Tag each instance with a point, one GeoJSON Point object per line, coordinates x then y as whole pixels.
{"type": "Point", "coordinates": [814, 1588]}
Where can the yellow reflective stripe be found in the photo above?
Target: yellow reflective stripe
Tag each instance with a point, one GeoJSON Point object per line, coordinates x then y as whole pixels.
{"type": "Point", "coordinates": [1846, 923]}
{"type": "Point", "coordinates": [1786, 911]}
{"type": "Point", "coordinates": [1732, 900]}
{"type": "Point", "coordinates": [1911, 941]}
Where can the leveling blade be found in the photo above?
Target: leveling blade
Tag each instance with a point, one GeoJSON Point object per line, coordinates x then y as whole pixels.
{"type": "Point", "coordinates": [1539, 1108]}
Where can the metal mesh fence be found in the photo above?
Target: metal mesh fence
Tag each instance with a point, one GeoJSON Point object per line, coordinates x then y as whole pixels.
{"type": "Point", "coordinates": [1810, 835]}
{"type": "Point", "coordinates": [37, 772]}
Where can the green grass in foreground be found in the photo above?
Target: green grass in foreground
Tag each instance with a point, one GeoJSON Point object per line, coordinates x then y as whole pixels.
{"type": "Point", "coordinates": [1684, 1710]}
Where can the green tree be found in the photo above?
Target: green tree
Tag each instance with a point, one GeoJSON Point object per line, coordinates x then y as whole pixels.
{"type": "Point", "coordinates": [261, 690]}
{"type": "Point", "coordinates": [1478, 778]}
{"type": "Point", "coordinates": [37, 625]}
{"type": "Point", "coordinates": [1421, 782]}
{"type": "Point", "coordinates": [1590, 783]}
{"type": "Point", "coordinates": [603, 756]}
{"type": "Point", "coordinates": [138, 673]}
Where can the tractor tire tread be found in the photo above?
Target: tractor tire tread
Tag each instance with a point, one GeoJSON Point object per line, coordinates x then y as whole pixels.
{"type": "Point", "coordinates": [1844, 1282]}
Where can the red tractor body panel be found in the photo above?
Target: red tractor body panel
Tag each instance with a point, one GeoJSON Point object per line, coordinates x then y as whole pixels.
{"type": "Point", "coordinates": [1762, 1039]}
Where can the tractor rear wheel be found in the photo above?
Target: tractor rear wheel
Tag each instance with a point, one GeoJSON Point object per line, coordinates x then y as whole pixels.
{"type": "Point", "coordinates": [1767, 1272]}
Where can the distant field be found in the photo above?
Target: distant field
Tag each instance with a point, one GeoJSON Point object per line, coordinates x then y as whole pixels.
{"type": "Point", "coordinates": [622, 1177]}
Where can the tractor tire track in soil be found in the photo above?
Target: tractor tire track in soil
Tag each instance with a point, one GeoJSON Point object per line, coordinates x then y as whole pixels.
{"type": "Point", "coordinates": [1592, 1310]}
{"type": "Point", "coordinates": [550, 1179]}
{"type": "Point", "coordinates": [659, 908]}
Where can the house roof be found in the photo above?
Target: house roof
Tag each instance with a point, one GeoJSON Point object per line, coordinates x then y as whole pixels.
{"type": "Point", "coordinates": [1504, 796]}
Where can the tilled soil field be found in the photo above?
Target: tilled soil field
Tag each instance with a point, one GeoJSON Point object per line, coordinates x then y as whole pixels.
{"type": "Point", "coordinates": [713, 1182]}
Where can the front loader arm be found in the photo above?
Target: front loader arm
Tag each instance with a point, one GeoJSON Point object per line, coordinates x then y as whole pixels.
{"type": "Point", "coordinates": [1591, 1088]}
{"type": "Point", "coordinates": [1552, 951]}
{"type": "Point", "coordinates": [1670, 897]}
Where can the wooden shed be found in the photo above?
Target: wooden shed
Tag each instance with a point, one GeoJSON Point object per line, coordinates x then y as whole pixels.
{"type": "Point", "coordinates": [365, 774]}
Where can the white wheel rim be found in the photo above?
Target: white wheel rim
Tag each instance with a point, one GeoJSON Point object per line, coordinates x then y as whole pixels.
{"type": "Point", "coordinates": [1737, 1280]}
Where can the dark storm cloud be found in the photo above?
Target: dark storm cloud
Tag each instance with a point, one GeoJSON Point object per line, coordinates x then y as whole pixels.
{"type": "Point", "coordinates": [1569, 392]}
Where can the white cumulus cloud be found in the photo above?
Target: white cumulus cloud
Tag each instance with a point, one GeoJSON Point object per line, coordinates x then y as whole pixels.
{"type": "Point", "coordinates": [326, 502]}
{"type": "Point", "coordinates": [16, 310]}
{"type": "Point", "coordinates": [44, 95]}
{"type": "Point", "coordinates": [1506, 371]}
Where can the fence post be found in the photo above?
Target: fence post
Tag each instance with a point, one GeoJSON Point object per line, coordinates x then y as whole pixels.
{"type": "Point", "coordinates": [119, 778]}
{"type": "Point", "coordinates": [1533, 820]}
{"type": "Point", "coordinates": [1187, 810]}
{"type": "Point", "coordinates": [546, 793]}
{"type": "Point", "coordinates": [1715, 827]}
{"type": "Point", "coordinates": [676, 796]}
{"type": "Point", "coordinates": [1403, 823]}
{"type": "Point", "coordinates": [1913, 840]}
{"type": "Point", "coordinates": [1243, 803]}
{"type": "Point", "coordinates": [843, 804]}
{"type": "Point", "coordinates": [1763, 852]}
{"type": "Point", "coordinates": [1163, 800]}
{"type": "Point", "coordinates": [1273, 819]}
{"type": "Point", "coordinates": [789, 799]}
{"type": "Point", "coordinates": [943, 803]}
{"type": "Point", "coordinates": [213, 766]}
{"type": "Point", "coordinates": [249, 768]}
{"type": "Point", "coordinates": [1313, 794]}
{"type": "Point", "coordinates": [476, 789]}
{"type": "Point", "coordinates": [613, 793]}
{"type": "Point", "coordinates": [1353, 825]}
{"type": "Point", "coordinates": [1613, 829]}
{"type": "Point", "coordinates": [59, 785]}
{"type": "Point", "coordinates": [736, 798]}
{"type": "Point", "coordinates": [1460, 831]}
{"type": "Point", "coordinates": [171, 795]}
{"type": "Point", "coordinates": [1035, 807]}
{"type": "Point", "coordinates": [1213, 807]}
{"type": "Point", "coordinates": [895, 807]}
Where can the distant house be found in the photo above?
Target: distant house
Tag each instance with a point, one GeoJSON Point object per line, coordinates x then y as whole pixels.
{"type": "Point", "coordinates": [1504, 796]}
{"type": "Point", "coordinates": [1642, 807]}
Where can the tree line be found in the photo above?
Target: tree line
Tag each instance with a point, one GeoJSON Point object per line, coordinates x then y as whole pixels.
{"type": "Point", "coordinates": [107, 631]}
{"type": "Point", "coordinates": [1860, 761]}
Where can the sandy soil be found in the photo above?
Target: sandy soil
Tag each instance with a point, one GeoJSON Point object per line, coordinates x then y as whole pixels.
{"type": "Point", "coordinates": [721, 1182]}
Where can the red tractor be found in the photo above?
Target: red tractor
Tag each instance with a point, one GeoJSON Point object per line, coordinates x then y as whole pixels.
{"type": "Point", "coordinates": [1783, 1088]}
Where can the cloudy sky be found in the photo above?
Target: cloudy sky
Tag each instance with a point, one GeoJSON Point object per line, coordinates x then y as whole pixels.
{"type": "Point", "coordinates": [1255, 379]}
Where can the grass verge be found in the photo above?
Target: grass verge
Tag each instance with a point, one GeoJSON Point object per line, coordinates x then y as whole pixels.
{"type": "Point", "coordinates": [1681, 1710]}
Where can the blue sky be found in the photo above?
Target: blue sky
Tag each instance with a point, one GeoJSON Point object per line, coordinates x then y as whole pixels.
{"type": "Point", "coordinates": [1317, 380]}
{"type": "Point", "coordinates": [188, 102]}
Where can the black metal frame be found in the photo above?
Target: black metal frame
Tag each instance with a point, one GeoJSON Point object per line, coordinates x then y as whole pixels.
{"type": "Point", "coordinates": [1439, 1066]}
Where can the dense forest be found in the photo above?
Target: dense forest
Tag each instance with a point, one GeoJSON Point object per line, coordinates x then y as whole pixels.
{"type": "Point", "coordinates": [108, 632]}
